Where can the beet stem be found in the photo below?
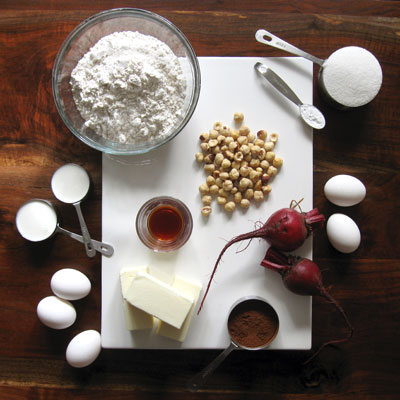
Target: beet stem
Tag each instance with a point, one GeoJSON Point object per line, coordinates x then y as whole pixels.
{"type": "Point", "coordinates": [276, 256]}
{"type": "Point", "coordinates": [249, 235]}
{"type": "Point", "coordinates": [312, 213]}
{"type": "Point", "coordinates": [275, 267]}
{"type": "Point", "coordinates": [314, 220]}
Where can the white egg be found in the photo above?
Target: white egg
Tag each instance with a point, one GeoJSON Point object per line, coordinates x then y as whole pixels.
{"type": "Point", "coordinates": [83, 349]}
{"type": "Point", "coordinates": [70, 284]}
{"type": "Point", "coordinates": [343, 233]}
{"type": "Point", "coordinates": [344, 190]}
{"type": "Point", "coordinates": [56, 313]}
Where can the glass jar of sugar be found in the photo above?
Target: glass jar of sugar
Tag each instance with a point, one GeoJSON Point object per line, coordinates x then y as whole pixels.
{"type": "Point", "coordinates": [350, 77]}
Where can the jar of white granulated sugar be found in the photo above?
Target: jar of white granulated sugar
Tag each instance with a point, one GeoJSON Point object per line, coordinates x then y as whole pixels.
{"type": "Point", "coordinates": [350, 77]}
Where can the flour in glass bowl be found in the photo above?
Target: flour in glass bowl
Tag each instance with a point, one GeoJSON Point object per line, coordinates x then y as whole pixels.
{"type": "Point", "coordinates": [129, 88]}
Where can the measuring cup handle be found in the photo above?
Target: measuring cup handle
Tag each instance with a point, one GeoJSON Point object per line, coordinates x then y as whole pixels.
{"type": "Point", "coordinates": [199, 379]}
{"type": "Point", "coordinates": [268, 38]}
{"type": "Point", "coordinates": [103, 248]}
{"type": "Point", "coordinates": [87, 241]}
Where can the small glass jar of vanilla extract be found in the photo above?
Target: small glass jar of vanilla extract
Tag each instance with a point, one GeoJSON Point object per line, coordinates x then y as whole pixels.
{"type": "Point", "coordinates": [164, 224]}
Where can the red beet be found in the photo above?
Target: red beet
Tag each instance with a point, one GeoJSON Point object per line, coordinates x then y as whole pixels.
{"type": "Point", "coordinates": [303, 277]}
{"type": "Point", "coordinates": [286, 230]}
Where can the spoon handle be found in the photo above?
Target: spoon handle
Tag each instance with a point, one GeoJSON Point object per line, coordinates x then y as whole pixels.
{"type": "Point", "coordinates": [87, 241]}
{"type": "Point", "coordinates": [102, 248]}
{"type": "Point", "coordinates": [199, 379]}
{"type": "Point", "coordinates": [268, 38]}
{"type": "Point", "coordinates": [277, 82]}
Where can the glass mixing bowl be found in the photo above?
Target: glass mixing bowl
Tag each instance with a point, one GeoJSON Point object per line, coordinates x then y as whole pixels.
{"type": "Point", "coordinates": [86, 35]}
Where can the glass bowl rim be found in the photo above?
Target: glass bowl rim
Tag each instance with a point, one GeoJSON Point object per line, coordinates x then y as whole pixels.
{"type": "Point", "coordinates": [126, 11]}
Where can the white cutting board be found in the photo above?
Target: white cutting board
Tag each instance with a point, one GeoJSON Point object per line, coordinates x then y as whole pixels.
{"type": "Point", "coordinates": [228, 85]}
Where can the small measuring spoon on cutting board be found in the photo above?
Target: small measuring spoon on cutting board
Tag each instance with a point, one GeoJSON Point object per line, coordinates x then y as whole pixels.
{"type": "Point", "coordinates": [309, 113]}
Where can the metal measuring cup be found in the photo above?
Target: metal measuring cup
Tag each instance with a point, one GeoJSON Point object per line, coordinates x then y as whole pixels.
{"type": "Point", "coordinates": [54, 227]}
{"type": "Point", "coordinates": [62, 183]}
{"type": "Point", "coordinates": [199, 379]}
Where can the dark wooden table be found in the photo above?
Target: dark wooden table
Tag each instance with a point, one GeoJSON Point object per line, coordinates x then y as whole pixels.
{"type": "Point", "coordinates": [363, 142]}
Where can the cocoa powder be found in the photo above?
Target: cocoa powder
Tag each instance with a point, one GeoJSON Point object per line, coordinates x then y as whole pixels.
{"type": "Point", "coordinates": [252, 323]}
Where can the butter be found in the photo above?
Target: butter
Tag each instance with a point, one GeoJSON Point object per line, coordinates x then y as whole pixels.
{"type": "Point", "coordinates": [187, 288]}
{"type": "Point", "coordinates": [135, 319]}
{"type": "Point", "coordinates": [159, 299]}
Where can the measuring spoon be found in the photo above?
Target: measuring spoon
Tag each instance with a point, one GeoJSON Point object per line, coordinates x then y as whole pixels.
{"type": "Point", "coordinates": [268, 38]}
{"type": "Point", "coordinates": [37, 220]}
{"type": "Point", "coordinates": [247, 302]}
{"type": "Point", "coordinates": [309, 113]}
{"type": "Point", "coordinates": [70, 184]}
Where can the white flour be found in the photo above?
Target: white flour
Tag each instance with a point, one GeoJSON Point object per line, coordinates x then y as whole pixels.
{"type": "Point", "coordinates": [352, 76]}
{"type": "Point", "coordinates": [129, 88]}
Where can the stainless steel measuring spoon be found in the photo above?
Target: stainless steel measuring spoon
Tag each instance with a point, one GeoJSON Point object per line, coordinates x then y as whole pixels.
{"type": "Point", "coordinates": [199, 380]}
{"type": "Point", "coordinates": [37, 220]}
{"type": "Point", "coordinates": [310, 114]}
{"type": "Point", "coordinates": [269, 39]}
{"type": "Point", "coordinates": [70, 184]}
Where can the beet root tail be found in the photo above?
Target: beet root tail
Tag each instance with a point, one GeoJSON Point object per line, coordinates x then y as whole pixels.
{"type": "Point", "coordinates": [258, 233]}
{"type": "Point", "coordinates": [328, 297]}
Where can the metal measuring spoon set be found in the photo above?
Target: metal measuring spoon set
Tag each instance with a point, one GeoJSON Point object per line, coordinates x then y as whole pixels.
{"type": "Point", "coordinates": [310, 114]}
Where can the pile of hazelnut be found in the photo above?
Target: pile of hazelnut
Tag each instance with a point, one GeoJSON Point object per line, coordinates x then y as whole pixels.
{"type": "Point", "coordinates": [239, 165]}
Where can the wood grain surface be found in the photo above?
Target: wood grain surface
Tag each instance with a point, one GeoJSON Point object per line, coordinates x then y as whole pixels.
{"type": "Point", "coordinates": [364, 142]}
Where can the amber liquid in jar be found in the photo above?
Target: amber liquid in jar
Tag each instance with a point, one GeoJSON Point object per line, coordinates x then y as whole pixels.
{"type": "Point", "coordinates": [165, 223]}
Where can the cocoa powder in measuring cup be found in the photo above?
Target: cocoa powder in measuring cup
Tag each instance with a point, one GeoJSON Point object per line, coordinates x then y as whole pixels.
{"type": "Point", "coordinates": [253, 323]}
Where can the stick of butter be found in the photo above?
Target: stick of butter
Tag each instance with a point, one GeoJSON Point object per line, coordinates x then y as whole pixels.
{"type": "Point", "coordinates": [159, 299]}
{"type": "Point", "coordinates": [135, 319]}
{"type": "Point", "coordinates": [190, 289]}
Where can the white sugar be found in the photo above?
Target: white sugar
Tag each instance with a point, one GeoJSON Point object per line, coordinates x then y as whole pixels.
{"type": "Point", "coordinates": [352, 76]}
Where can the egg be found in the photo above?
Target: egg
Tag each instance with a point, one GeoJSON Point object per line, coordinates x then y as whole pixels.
{"type": "Point", "coordinates": [343, 233]}
{"type": "Point", "coordinates": [56, 313]}
{"type": "Point", "coordinates": [83, 349]}
{"type": "Point", "coordinates": [70, 284]}
{"type": "Point", "coordinates": [344, 190]}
